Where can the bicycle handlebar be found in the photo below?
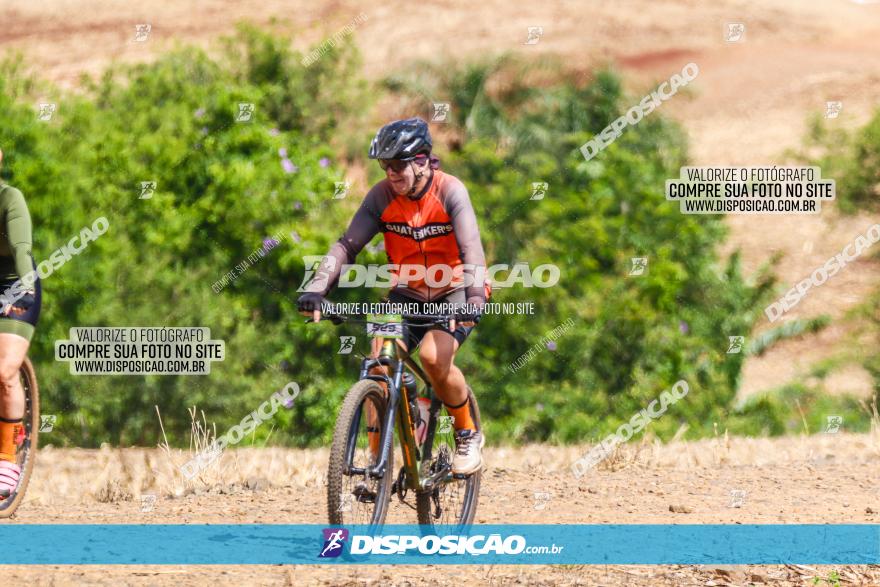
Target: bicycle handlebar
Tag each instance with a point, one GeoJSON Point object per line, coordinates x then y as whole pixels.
{"type": "Point", "coordinates": [425, 319]}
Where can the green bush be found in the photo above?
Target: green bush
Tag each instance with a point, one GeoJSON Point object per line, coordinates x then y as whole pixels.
{"type": "Point", "coordinates": [850, 158]}
{"type": "Point", "coordinates": [223, 186]}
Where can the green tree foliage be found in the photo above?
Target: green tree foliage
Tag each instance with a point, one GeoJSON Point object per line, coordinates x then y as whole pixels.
{"type": "Point", "coordinates": [223, 186]}
{"type": "Point", "coordinates": [850, 158]}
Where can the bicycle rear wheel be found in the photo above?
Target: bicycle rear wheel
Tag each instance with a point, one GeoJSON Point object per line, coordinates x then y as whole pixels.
{"type": "Point", "coordinates": [26, 452]}
{"type": "Point", "coordinates": [453, 501]}
{"type": "Point", "coordinates": [353, 496]}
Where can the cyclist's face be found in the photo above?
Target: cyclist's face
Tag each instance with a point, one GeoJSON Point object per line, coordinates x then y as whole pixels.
{"type": "Point", "coordinates": [404, 177]}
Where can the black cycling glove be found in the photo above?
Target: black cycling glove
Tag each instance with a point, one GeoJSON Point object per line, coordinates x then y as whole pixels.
{"type": "Point", "coordinates": [309, 302]}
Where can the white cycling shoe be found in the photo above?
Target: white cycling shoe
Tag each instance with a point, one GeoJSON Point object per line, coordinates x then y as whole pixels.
{"type": "Point", "coordinates": [468, 452]}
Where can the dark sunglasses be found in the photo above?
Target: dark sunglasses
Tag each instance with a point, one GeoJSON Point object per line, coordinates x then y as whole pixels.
{"type": "Point", "coordinates": [398, 165]}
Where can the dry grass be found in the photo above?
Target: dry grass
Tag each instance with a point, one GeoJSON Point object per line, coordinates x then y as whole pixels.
{"type": "Point", "coordinates": [113, 475]}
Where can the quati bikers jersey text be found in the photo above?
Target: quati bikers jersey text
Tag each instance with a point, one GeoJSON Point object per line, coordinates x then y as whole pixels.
{"type": "Point", "coordinates": [439, 228]}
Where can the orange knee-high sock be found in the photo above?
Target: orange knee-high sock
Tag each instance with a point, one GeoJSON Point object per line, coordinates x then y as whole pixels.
{"type": "Point", "coordinates": [461, 416]}
{"type": "Point", "coordinates": [8, 428]}
{"type": "Point", "coordinates": [374, 435]}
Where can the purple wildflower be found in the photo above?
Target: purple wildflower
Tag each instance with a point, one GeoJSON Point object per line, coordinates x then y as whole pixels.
{"type": "Point", "coordinates": [288, 166]}
{"type": "Point", "coordinates": [324, 162]}
{"type": "Point", "coordinates": [551, 345]}
{"type": "Point", "coordinates": [282, 152]}
{"type": "Point", "coordinates": [683, 327]}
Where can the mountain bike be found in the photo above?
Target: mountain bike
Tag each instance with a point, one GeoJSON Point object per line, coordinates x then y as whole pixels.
{"type": "Point", "coordinates": [361, 476]}
{"type": "Point", "coordinates": [26, 444]}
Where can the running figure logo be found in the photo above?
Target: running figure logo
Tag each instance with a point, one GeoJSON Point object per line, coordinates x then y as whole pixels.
{"type": "Point", "coordinates": [736, 344]}
{"type": "Point", "coordinates": [639, 265]}
{"type": "Point", "coordinates": [535, 34]}
{"type": "Point", "coordinates": [539, 189]}
{"type": "Point", "coordinates": [832, 109]}
{"type": "Point", "coordinates": [46, 112]}
{"type": "Point", "coordinates": [334, 539]}
{"type": "Point", "coordinates": [47, 422]}
{"type": "Point", "coordinates": [346, 344]}
{"type": "Point", "coordinates": [441, 112]}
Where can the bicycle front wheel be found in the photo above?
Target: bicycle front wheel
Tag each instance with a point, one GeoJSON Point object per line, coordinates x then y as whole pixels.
{"type": "Point", "coordinates": [353, 495]}
{"type": "Point", "coordinates": [26, 451]}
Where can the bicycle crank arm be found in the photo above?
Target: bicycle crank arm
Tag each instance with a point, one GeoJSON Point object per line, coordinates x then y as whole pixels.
{"type": "Point", "coordinates": [431, 481]}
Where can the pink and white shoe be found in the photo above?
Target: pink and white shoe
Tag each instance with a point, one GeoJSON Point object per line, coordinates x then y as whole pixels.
{"type": "Point", "coordinates": [9, 476]}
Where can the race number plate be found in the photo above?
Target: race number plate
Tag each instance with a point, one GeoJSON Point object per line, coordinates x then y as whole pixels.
{"type": "Point", "coordinates": [384, 326]}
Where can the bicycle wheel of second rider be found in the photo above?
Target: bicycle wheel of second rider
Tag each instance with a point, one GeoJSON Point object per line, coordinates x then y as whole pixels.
{"type": "Point", "coordinates": [26, 451]}
{"type": "Point", "coordinates": [353, 496]}
{"type": "Point", "coordinates": [454, 500]}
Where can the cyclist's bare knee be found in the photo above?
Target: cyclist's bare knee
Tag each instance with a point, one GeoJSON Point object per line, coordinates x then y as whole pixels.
{"type": "Point", "coordinates": [437, 354]}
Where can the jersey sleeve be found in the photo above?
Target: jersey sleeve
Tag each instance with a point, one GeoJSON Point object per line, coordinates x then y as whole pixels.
{"type": "Point", "coordinates": [365, 224]}
{"type": "Point", "coordinates": [467, 234]}
{"type": "Point", "coordinates": [18, 229]}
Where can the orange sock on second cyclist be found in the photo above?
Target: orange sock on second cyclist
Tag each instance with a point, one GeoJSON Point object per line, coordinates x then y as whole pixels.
{"type": "Point", "coordinates": [8, 431]}
{"type": "Point", "coordinates": [461, 416]}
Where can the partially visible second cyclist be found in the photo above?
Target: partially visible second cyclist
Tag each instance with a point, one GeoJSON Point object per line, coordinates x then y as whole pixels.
{"type": "Point", "coordinates": [17, 323]}
{"type": "Point", "coordinates": [426, 219]}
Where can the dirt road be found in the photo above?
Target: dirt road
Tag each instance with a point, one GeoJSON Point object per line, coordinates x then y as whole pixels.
{"type": "Point", "coordinates": [827, 478]}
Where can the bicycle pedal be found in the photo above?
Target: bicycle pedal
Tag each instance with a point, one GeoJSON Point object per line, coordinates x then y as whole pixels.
{"type": "Point", "coordinates": [363, 494]}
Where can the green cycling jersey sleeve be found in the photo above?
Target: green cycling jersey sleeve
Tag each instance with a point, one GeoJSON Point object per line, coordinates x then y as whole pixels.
{"type": "Point", "coordinates": [17, 241]}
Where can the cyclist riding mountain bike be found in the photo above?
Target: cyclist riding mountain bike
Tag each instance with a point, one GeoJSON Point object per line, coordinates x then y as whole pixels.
{"type": "Point", "coordinates": [17, 323]}
{"type": "Point", "coordinates": [427, 220]}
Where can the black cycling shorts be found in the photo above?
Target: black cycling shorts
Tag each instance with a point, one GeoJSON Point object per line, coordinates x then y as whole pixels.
{"type": "Point", "coordinates": [414, 335]}
{"type": "Point", "coordinates": [22, 324]}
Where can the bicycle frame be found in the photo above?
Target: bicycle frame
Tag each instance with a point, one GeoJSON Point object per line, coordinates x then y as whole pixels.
{"type": "Point", "coordinates": [393, 357]}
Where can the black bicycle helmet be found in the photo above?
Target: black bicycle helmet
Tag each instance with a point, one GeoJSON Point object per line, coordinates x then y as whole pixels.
{"type": "Point", "coordinates": [401, 139]}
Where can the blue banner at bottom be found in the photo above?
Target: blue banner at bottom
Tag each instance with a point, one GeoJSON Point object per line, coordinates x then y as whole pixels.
{"type": "Point", "coordinates": [257, 544]}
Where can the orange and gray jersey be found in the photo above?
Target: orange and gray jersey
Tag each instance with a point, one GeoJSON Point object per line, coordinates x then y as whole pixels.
{"type": "Point", "coordinates": [438, 230]}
